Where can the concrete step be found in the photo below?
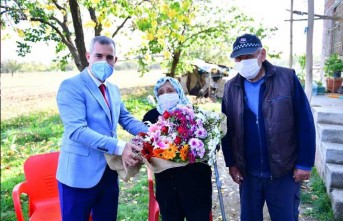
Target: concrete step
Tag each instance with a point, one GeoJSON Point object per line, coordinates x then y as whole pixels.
{"type": "Point", "coordinates": [336, 196]}
{"type": "Point", "coordinates": [330, 133]}
{"type": "Point", "coordinates": [333, 176]}
{"type": "Point", "coordinates": [327, 153]}
{"type": "Point", "coordinates": [328, 115]}
{"type": "Point", "coordinates": [332, 152]}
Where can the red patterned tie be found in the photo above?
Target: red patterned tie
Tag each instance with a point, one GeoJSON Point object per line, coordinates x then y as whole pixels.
{"type": "Point", "coordinates": [103, 91]}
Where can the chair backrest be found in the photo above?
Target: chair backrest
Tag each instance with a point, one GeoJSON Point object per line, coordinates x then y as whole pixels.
{"type": "Point", "coordinates": [154, 209]}
{"type": "Point", "coordinates": [40, 174]}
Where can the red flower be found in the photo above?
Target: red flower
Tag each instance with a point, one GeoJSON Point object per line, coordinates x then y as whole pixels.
{"type": "Point", "coordinates": [147, 150]}
{"type": "Point", "coordinates": [177, 140]}
{"type": "Point", "coordinates": [142, 134]}
{"type": "Point", "coordinates": [166, 115]}
{"type": "Point", "coordinates": [191, 157]}
{"type": "Point", "coordinates": [182, 131]}
{"type": "Point", "coordinates": [164, 129]}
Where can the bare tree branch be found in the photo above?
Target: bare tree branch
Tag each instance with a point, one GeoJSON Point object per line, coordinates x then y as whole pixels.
{"type": "Point", "coordinates": [120, 26]}
{"type": "Point", "coordinates": [200, 32]}
{"type": "Point", "coordinates": [64, 40]}
{"type": "Point", "coordinates": [126, 19]}
{"type": "Point", "coordinates": [9, 9]}
{"type": "Point", "coordinates": [59, 6]}
{"type": "Point", "coordinates": [19, 6]}
{"type": "Point", "coordinates": [63, 25]}
{"type": "Point", "coordinates": [98, 26]}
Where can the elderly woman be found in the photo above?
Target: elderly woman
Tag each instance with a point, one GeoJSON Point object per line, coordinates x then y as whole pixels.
{"type": "Point", "coordinates": [182, 192]}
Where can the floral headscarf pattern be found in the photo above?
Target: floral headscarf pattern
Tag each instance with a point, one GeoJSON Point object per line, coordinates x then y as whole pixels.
{"type": "Point", "coordinates": [178, 88]}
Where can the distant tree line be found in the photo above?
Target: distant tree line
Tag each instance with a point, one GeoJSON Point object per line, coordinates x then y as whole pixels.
{"type": "Point", "coordinates": [11, 66]}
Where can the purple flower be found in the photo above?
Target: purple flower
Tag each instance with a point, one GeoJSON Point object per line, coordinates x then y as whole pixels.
{"type": "Point", "coordinates": [198, 150]}
{"type": "Point", "coordinates": [199, 122]}
{"type": "Point", "coordinates": [201, 133]}
{"type": "Point", "coordinates": [193, 142]}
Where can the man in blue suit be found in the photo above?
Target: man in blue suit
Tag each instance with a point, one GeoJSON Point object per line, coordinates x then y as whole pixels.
{"type": "Point", "coordinates": [90, 109]}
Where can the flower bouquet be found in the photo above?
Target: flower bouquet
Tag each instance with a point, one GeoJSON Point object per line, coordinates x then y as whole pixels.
{"type": "Point", "coordinates": [184, 135]}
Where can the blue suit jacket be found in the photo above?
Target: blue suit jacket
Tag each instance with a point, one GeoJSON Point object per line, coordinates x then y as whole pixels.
{"type": "Point", "coordinates": [90, 129]}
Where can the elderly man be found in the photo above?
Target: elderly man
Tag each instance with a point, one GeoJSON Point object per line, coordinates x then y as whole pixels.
{"type": "Point", "coordinates": [270, 142]}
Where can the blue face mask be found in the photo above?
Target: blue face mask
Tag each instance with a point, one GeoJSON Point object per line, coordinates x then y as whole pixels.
{"type": "Point", "coordinates": [102, 70]}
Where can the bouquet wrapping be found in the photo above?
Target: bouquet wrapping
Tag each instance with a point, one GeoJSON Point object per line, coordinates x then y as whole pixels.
{"type": "Point", "coordinates": [115, 162]}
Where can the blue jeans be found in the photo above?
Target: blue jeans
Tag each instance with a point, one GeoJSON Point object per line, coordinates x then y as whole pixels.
{"type": "Point", "coordinates": [280, 194]}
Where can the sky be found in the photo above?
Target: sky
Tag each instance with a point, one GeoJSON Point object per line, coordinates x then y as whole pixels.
{"type": "Point", "coordinates": [274, 13]}
{"type": "Point", "coordinates": [269, 12]}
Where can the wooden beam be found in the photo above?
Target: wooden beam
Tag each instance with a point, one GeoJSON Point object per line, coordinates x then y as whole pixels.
{"type": "Point", "coordinates": [336, 18]}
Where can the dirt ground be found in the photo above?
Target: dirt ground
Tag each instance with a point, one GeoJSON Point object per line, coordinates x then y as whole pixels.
{"type": "Point", "coordinates": [27, 92]}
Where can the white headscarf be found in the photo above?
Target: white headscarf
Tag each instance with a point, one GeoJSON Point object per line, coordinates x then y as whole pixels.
{"type": "Point", "coordinates": [178, 88]}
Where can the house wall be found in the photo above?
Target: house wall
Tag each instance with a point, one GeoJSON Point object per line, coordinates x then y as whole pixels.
{"type": "Point", "coordinates": [333, 29]}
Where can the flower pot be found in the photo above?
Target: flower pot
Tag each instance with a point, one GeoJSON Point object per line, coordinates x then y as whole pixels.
{"type": "Point", "coordinates": [333, 84]}
{"type": "Point", "coordinates": [320, 90]}
{"type": "Point", "coordinates": [337, 74]}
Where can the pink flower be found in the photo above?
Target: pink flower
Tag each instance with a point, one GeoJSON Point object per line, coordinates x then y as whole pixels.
{"type": "Point", "coordinates": [153, 128]}
{"type": "Point", "coordinates": [163, 142]}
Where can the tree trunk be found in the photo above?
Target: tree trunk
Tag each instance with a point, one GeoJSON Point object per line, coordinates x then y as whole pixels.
{"type": "Point", "coordinates": [176, 58]}
{"type": "Point", "coordinates": [79, 37]}
{"type": "Point", "coordinates": [309, 53]}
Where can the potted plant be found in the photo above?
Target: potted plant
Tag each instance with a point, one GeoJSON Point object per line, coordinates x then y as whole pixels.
{"type": "Point", "coordinates": [301, 75]}
{"type": "Point", "coordinates": [320, 88]}
{"type": "Point", "coordinates": [333, 68]}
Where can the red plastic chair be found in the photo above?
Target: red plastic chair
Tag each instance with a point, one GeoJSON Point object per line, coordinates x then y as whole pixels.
{"type": "Point", "coordinates": [154, 209]}
{"type": "Point", "coordinates": [41, 188]}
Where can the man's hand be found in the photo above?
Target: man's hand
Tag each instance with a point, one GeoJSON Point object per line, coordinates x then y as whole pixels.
{"type": "Point", "coordinates": [301, 175]}
{"type": "Point", "coordinates": [130, 155]}
{"type": "Point", "coordinates": [235, 174]}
